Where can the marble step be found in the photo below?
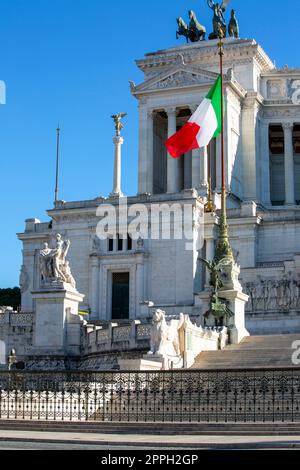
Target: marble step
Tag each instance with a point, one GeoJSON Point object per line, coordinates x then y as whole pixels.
{"type": "Point", "coordinates": [265, 342]}
{"type": "Point", "coordinates": [253, 352]}
{"type": "Point", "coordinates": [157, 428]}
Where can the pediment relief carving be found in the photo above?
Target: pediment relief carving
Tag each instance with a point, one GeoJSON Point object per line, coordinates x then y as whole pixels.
{"type": "Point", "coordinates": [176, 79]}
{"type": "Point", "coordinates": [179, 79]}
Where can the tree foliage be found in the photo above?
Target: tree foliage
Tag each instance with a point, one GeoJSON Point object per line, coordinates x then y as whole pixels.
{"type": "Point", "coordinates": [10, 297]}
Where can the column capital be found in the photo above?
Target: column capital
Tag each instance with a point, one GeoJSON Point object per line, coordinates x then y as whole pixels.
{"type": "Point", "coordinates": [287, 125]}
{"type": "Point", "coordinates": [265, 124]}
{"type": "Point", "coordinates": [171, 110]}
{"type": "Point", "coordinates": [193, 107]}
{"type": "Point", "coordinates": [118, 140]}
{"type": "Point", "coordinates": [95, 261]}
{"type": "Point", "coordinates": [150, 113]}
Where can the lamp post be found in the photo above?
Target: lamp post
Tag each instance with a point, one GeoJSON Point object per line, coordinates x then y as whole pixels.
{"type": "Point", "coordinates": [12, 359]}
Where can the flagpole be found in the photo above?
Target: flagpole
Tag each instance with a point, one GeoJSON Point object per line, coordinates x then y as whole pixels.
{"type": "Point", "coordinates": [223, 248]}
{"type": "Point", "coordinates": [209, 204]}
{"type": "Point", "coordinates": [57, 162]}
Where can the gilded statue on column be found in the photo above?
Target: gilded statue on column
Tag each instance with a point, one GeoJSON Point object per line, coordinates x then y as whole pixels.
{"type": "Point", "coordinates": [118, 122]}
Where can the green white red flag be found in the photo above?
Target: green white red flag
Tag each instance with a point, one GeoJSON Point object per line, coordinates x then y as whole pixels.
{"type": "Point", "coordinates": [203, 125]}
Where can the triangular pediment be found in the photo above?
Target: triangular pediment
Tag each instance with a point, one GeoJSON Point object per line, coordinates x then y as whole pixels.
{"type": "Point", "coordinates": [177, 77]}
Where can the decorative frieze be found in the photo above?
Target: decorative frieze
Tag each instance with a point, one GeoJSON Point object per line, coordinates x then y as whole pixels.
{"type": "Point", "coordinates": [269, 295]}
{"type": "Point", "coordinates": [276, 89]}
{"type": "Point", "coordinates": [122, 333]}
{"type": "Point", "coordinates": [143, 331]}
{"type": "Point", "coordinates": [22, 319]}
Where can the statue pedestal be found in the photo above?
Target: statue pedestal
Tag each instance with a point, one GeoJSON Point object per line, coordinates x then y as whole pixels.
{"type": "Point", "coordinates": [202, 301]}
{"type": "Point", "coordinates": [57, 323]}
{"type": "Point", "coordinates": [236, 325]}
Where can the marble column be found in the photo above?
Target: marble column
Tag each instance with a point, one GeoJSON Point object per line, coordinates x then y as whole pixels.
{"type": "Point", "coordinates": [118, 142]}
{"type": "Point", "coordinates": [95, 287]}
{"type": "Point", "coordinates": [249, 145]}
{"type": "Point", "coordinates": [150, 147]}
{"type": "Point", "coordinates": [173, 163]}
{"type": "Point", "coordinates": [265, 164]}
{"type": "Point", "coordinates": [196, 160]}
{"type": "Point", "coordinates": [196, 168]}
{"type": "Point", "coordinates": [139, 284]}
{"type": "Point", "coordinates": [203, 167]}
{"type": "Point", "coordinates": [115, 244]}
{"type": "Point", "coordinates": [143, 141]}
{"type": "Point", "coordinates": [228, 140]}
{"type": "Point", "coordinates": [188, 170]}
{"type": "Point", "coordinates": [289, 163]}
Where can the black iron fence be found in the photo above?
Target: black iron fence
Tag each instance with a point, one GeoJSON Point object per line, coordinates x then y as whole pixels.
{"type": "Point", "coordinates": [189, 396]}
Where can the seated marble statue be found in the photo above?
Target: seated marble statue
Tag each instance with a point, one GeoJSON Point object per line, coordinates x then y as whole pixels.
{"type": "Point", "coordinates": [164, 338]}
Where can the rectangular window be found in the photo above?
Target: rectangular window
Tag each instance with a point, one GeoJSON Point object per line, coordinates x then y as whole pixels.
{"type": "Point", "coordinates": [110, 244]}
{"type": "Point", "coordinates": [277, 181]}
{"type": "Point", "coordinates": [120, 296]}
{"type": "Point", "coordinates": [129, 243]}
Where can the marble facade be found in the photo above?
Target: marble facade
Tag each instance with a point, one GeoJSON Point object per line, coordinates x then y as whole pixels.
{"type": "Point", "coordinates": [262, 132]}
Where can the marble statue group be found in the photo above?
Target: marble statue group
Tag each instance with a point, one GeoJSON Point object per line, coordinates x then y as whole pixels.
{"type": "Point", "coordinates": [53, 264]}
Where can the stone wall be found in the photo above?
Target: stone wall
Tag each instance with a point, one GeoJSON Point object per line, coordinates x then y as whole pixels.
{"type": "Point", "coordinates": [16, 332]}
{"type": "Point", "coordinates": [116, 337]}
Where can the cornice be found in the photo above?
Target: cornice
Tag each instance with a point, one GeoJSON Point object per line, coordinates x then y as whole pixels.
{"type": "Point", "coordinates": [207, 53]}
{"type": "Point", "coordinates": [185, 77]}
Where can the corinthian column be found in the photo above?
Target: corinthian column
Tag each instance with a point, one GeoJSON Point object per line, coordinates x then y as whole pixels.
{"type": "Point", "coordinates": [139, 282]}
{"type": "Point", "coordinates": [289, 163]}
{"type": "Point", "coordinates": [95, 286]}
{"type": "Point", "coordinates": [173, 163]}
{"type": "Point", "coordinates": [203, 167]}
{"type": "Point", "coordinates": [150, 137]}
{"type": "Point", "coordinates": [118, 142]}
{"type": "Point", "coordinates": [196, 159]}
{"type": "Point", "coordinates": [265, 163]}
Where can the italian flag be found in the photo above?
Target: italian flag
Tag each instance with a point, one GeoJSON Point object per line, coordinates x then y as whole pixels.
{"type": "Point", "coordinates": [204, 124]}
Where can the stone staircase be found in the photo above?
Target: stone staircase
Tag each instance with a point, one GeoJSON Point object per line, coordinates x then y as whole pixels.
{"type": "Point", "coordinates": [253, 352]}
{"type": "Point", "coordinates": [167, 428]}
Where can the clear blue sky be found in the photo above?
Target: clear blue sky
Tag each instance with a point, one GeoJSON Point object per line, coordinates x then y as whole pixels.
{"type": "Point", "coordinates": [69, 61]}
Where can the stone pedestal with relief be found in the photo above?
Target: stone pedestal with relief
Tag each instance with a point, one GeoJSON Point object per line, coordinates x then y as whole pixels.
{"type": "Point", "coordinates": [232, 292]}
{"type": "Point", "coordinates": [57, 321]}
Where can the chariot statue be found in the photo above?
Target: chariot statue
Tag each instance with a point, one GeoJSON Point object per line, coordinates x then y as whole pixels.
{"type": "Point", "coordinates": [197, 32]}
{"type": "Point", "coordinates": [194, 32]}
{"type": "Point", "coordinates": [183, 29]}
{"type": "Point", "coordinates": [219, 23]}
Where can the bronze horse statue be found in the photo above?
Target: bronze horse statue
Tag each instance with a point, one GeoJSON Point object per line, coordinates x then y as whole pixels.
{"type": "Point", "coordinates": [233, 27]}
{"type": "Point", "coordinates": [194, 32]}
{"type": "Point", "coordinates": [183, 29]}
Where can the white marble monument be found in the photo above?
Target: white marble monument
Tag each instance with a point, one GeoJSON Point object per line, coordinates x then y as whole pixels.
{"type": "Point", "coordinates": [261, 123]}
